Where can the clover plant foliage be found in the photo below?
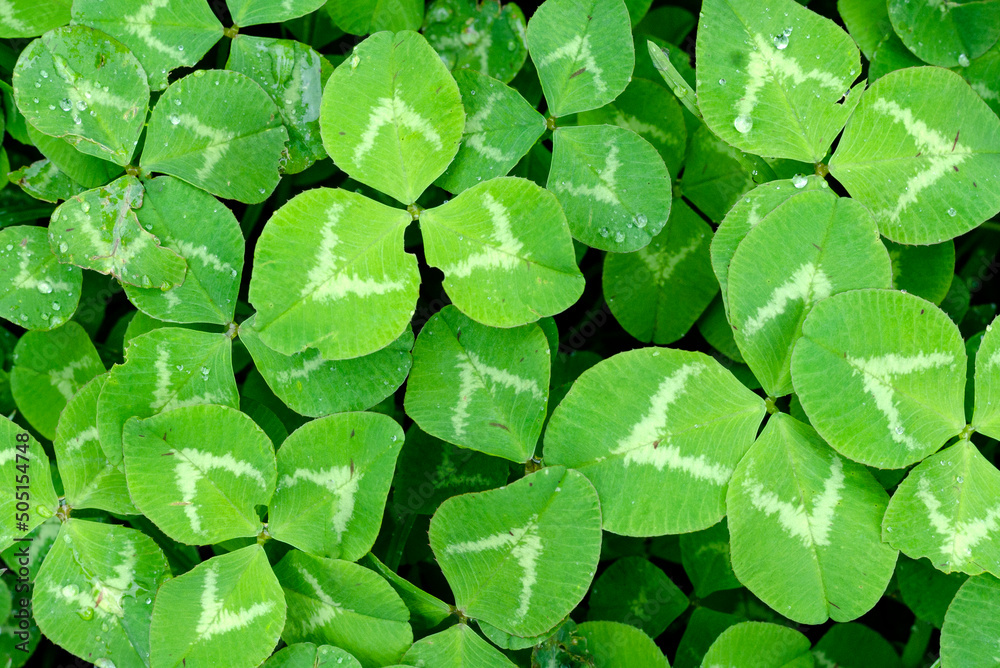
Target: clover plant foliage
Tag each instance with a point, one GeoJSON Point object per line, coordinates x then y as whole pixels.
{"type": "Point", "coordinates": [477, 333]}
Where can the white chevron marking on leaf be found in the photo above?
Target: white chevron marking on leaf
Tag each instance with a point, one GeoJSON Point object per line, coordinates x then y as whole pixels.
{"type": "Point", "coordinates": [961, 536]}
{"type": "Point", "coordinates": [527, 550]}
{"type": "Point", "coordinates": [649, 441]}
{"type": "Point", "coordinates": [339, 480]}
{"type": "Point", "coordinates": [813, 528]}
{"type": "Point", "coordinates": [579, 52]}
{"type": "Point", "coordinates": [942, 153]}
{"type": "Point", "coordinates": [193, 464]}
{"type": "Point", "coordinates": [326, 281]}
{"type": "Point", "coordinates": [809, 283]}
{"type": "Point", "coordinates": [604, 189]}
{"type": "Point", "coordinates": [215, 619]}
{"type": "Point", "coordinates": [879, 372]}
{"type": "Point", "coordinates": [140, 24]}
{"type": "Point", "coordinates": [326, 609]}
{"type": "Point", "coordinates": [505, 255]}
{"type": "Point", "coordinates": [475, 131]}
{"type": "Point", "coordinates": [394, 111]}
{"type": "Point", "coordinates": [767, 63]}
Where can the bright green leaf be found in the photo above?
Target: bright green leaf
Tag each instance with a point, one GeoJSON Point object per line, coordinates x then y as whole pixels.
{"type": "Point", "coordinates": [93, 592]}
{"type": "Point", "coordinates": [198, 472]}
{"type": "Point", "coordinates": [526, 559]}
{"type": "Point", "coordinates": [28, 18]}
{"type": "Point", "coordinates": [392, 115]}
{"type": "Point", "coordinates": [808, 248]}
{"type": "Point", "coordinates": [480, 387]}
{"type": "Point", "coordinates": [43, 294]}
{"type": "Point", "coordinates": [89, 479]}
{"type": "Point", "coordinates": [922, 152]}
{"type": "Point", "coordinates": [760, 645]}
{"type": "Point", "coordinates": [254, 12]}
{"type": "Point", "coordinates": [505, 251]}
{"type": "Point", "coordinates": [744, 216]}
{"type": "Point", "coordinates": [772, 77]}
{"type": "Point", "coordinates": [308, 655]}
{"type": "Point", "coordinates": [217, 130]}
{"type": "Point", "coordinates": [345, 605]}
{"type": "Point", "coordinates": [43, 180]}
{"type": "Point", "coordinates": [99, 230]}
{"type": "Point", "coordinates": [456, 647]}
{"type": "Point", "coordinates": [652, 112]}
{"type": "Point", "coordinates": [500, 128]}
{"type": "Point", "coordinates": [613, 185]}
{"type": "Point", "coordinates": [333, 478]}
{"type": "Point", "coordinates": [228, 610]}
{"type": "Point", "coordinates": [87, 170]}
{"type": "Point", "coordinates": [330, 273]}
{"type": "Point", "coordinates": [986, 418]}
{"type": "Point", "coordinates": [583, 52]}
{"type": "Point", "coordinates": [881, 375]}
{"type": "Point", "coordinates": [972, 625]}
{"type": "Point", "coordinates": [163, 34]}
{"type": "Point", "coordinates": [86, 87]}
{"type": "Point", "coordinates": [204, 232]}
{"type": "Point", "coordinates": [49, 368]}
{"type": "Point", "coordinates": [313, 386]}
{"type": "Point", "coordinates": [614, 645]}
{"type": "Point", "coordinates": [806, 527]}
{"type": "Point", "coordinates": [167, 368]}
{"type": "Point", "coordinates": [19, 449]}
{"type": "Point", "coordinates": [660, 450]}
{"type": "Point", "coordinates": [290, 73]}
{"type": "Point", "coordinates": [947, 510]}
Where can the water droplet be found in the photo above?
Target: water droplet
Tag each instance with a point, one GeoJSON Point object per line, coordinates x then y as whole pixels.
{"type": "Point", "coordinates": [959, 479]}
{"type": "Point", "coordinates": [640, 220]}
{"type": "Point", "coordinates": [81, 105]}
{"type": "Point", "coordinates": [722, 82]}
{"type": "Point", "coordinates": [65, 104]}
{"type": "Point", "coordinates": [174, 120]}
{"type": "Point", "coordinates": [177, 102]}
{"type": "Point", "coordinates": [56, 306]}
{"type": "Point", "coordinates": [63, 247]}
{"type": "Point", "coordinates": [86, 614]}
{"type": "Point", "coordinates": [44, 287]}
{"type": "Point", "coordinates": [180, 47]}
{"type": "Point", "coordinates": [781, 41]}
{"type": "Point", "coordinates": [85, 206]}
{"type": "Point", "coordinates": [963, 60]}
{"type": "Point", "coordinates": [952, 212]}
{"type": "Point", "coordinates": [799, 181]}
{"type": "Point", "coordinates": [743, 124]}
{"type": "Point", "coordinates": [619, 236]}
{"type": "Point", "coordinates": [70, 590]}
{"type": "Point", "coordinates": [45, 75]}
{"type": "Point", "coordinates": [355, 60]}
{"type": "Point", "coordinates": [604, 232]}
{"type": "Point", "coordinates": [899, 430]}
{"type": "Point", "coordinates": [787, 32]}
